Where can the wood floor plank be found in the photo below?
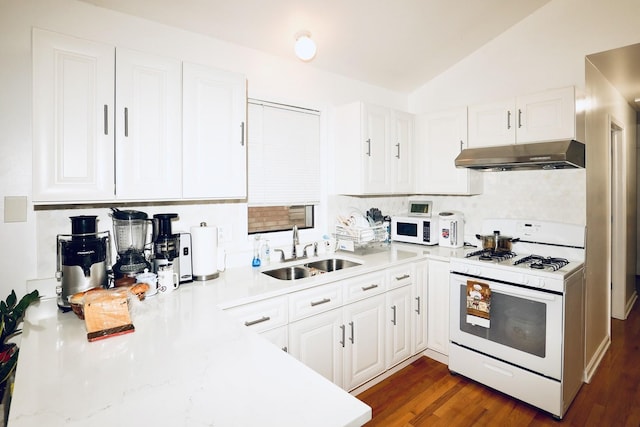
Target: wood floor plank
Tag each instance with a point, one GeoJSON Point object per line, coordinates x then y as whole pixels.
{"type": "Point", "coordinates": [426, 394]}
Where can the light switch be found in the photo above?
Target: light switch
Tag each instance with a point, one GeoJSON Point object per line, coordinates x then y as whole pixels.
{"type": "Point", "coordinates": [15, 209]}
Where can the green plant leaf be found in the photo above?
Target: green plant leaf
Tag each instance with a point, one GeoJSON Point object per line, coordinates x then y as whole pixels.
{"type": "Point", "coordinates": [11, 299]}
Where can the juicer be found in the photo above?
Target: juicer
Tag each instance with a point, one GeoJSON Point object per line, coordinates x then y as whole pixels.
{"type": "Point", "coordinates": [83, 259]}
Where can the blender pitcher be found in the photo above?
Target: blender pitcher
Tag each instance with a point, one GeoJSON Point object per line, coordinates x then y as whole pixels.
{"type": "Point", "coordinates": [130, 233]}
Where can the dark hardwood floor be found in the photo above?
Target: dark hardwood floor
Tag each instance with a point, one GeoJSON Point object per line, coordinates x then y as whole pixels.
{"type": "Point", "coordinates": [426, 394]}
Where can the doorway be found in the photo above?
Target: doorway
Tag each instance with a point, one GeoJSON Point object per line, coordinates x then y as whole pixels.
{"type": "Point", "coordinates": [617, 209]}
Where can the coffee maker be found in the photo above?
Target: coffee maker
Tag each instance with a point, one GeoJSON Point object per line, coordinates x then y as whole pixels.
{"type": "Point", "coordinates": [83, 259]}
{"type": "Point", "coordinates": [166, 245]}
{"type": "Point", "coordinates": [130, 231]}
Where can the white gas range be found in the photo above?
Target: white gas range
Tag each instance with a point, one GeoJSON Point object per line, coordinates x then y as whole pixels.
{"type": "Point", "coordinates": [517, 317]}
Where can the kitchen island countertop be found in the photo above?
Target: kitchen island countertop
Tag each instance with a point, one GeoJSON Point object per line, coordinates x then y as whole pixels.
{"type": "Point", "coordinates": [188, 363]}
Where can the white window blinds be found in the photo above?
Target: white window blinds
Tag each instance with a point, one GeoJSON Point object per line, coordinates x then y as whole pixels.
{"type": "Point", "coordinates": [283, 155]}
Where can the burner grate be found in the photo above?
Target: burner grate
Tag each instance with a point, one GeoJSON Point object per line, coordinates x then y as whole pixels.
{"type": "Point", "coordinates": [491, 255]}
{"type": "Point", "coordinates": [540, 263]}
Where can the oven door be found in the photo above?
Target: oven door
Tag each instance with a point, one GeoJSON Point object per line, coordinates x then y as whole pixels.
{"type": "Point", "coordinates": [524, 327]}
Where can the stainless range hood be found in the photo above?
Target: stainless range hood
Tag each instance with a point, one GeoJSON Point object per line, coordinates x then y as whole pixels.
{"type": "Point", "coordinates": [566, 154]}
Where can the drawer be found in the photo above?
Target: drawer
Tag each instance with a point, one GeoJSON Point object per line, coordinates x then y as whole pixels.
{"type": "Point", "coordinates": [315, 300]}
{"type": "Point", "coordinates": [400, 276]}
{"type": "Point", "coordinates": [364, 286]}
{"type": "Point", "coordinates": [262, 315]}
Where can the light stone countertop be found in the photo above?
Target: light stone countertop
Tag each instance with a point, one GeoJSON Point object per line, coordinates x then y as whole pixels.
{"type": "Point", "coordinates": [188, 363]}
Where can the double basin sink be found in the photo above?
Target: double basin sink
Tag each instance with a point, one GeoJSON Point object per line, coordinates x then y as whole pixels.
{"type": "Point", "coordinates": [308, 269]}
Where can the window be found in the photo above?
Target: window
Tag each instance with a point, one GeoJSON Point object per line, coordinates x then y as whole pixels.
{"type": "Point", "coordinates": [284, 166]}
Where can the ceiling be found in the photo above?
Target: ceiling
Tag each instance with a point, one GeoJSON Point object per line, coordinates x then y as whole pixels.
{"type": "Point", "coordinates": [620, 66]}
{"type": "Point", "coordinates": [395, 44]}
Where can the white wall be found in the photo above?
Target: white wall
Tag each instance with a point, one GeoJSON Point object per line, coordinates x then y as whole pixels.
{"type": "Point", "coordinates": [28, 249]}
{"type": "Point", "coordinates": [547, 50]}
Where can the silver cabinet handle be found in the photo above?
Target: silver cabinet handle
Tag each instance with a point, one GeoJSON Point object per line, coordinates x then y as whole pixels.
{"type": "Point", "coordinates": [322, 301]}
{"type": "Point", "coordinates": [508, 119]}
{"type": "Point", "coordinates": [106, 119]}
{"type": "Point", "coordinates": [126, 122]}
{"type": "Point", "coordinates": [242, 134]}
{"type": "Point", "coordinates": [461, 145]}
{"type": "Point", "coordinates": [352, 339]}
{"type": "Point", "coordinates": [519, 118]}
{"type": "Point", "coordinates": [342, 340]}
{"type": "Point", "coordinates": [405, 276]}
{"type": "Point", "coordinates": [398, 147]}
{"type": "Point", "coordinates": [369, 147]}
{"type": "Point", "coordinates": [394, 315]}
{"type": "Point", "coordinates": [368, 288]}
{"type": "Point", "coordinates": [418, 309]}
{"type": "Point", "coordinates": [255, 322]}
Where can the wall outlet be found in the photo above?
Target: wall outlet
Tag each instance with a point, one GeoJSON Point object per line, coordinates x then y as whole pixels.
{"type": "Point", "coordinates": [224, 233]}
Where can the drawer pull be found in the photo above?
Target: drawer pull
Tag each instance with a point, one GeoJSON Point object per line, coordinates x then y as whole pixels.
{"type": "Point", "coordinates": [405, 276]}
{"type": "Point", "coordinates": [255, 322]}
{"type": "Point", "coordinates": [368, 288]}
{"type": "Point", "coordinates": [322, 301]}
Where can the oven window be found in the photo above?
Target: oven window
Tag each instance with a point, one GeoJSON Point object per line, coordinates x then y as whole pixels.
{"type": "Point", "coordinates": [518, 323]}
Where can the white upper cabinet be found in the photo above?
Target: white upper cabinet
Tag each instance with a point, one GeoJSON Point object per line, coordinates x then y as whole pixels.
{"type": "Point", "coordinates": [539, 117]}
{"type": "Point", "coordinates": [214, 133]}
{"type": "Point", "coordinates": [440, 136]}
{"type": "Point", "coordinates": [148, 132]}
{"type": "Point", "coordinates": [73, 99]}
{"type": "Point", "coordinates": [373, 150]}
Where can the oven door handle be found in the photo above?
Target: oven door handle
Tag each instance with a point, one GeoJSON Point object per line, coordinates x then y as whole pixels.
{"type": "Point", "coordinates": [524, 293]}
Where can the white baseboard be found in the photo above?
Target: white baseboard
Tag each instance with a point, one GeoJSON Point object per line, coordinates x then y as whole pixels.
{"type": "Point", "coordinates": [592, 365]}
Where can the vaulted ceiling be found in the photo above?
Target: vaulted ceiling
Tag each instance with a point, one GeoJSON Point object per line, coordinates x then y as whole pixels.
{"type": "Point", "coordinates": [399, 45]}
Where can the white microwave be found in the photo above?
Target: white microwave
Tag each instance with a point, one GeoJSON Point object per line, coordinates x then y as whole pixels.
{"type": "Point", "coordinates": [412, 229]}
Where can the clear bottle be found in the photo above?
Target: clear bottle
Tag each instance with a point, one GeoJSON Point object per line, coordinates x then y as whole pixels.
{"type": "Point", "coordinates": [266, 252]}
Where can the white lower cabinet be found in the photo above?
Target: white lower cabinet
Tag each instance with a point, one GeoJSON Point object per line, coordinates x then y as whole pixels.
{"type": "Point", "coordinates": [419, 310]}
{"type": "Point", "coordinates": [438, 306]}
{"type": "Point", "coordinates": [365, 346]}
{"type": "Point", "coordinates": [398, 333]}
{"type": "Point", "coordinates": [318, 342]}
{"type": "Point", "coordinates": [278, 337]}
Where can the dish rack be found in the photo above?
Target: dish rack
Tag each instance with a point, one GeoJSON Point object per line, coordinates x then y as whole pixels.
{"type": "Point", "coordinates": [359, 236]}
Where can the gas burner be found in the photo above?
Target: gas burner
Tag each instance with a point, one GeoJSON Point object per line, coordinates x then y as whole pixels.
{"type": "Point", "coordinates": [540, 263]}
{"type": "Point", "coordinates": [491, 255]}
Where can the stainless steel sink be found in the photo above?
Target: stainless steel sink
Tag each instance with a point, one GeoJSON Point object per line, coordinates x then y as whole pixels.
{"type": "Point", "coordinates": [289, 273]}
{"type": "Point", "coordinates": [332, 264]}
{"type": "Point", "coordinates": [300, 271]}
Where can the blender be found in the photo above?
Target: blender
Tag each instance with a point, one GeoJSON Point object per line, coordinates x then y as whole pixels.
{"type": "Point", "coordinates": [130, 231]}
{"type": "Point", "coordinates": [83, 259]}
{"type": "Point", "coordinates": [166, 245]}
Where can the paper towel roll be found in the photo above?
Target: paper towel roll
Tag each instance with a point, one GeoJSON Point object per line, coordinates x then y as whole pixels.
{"type": "Point", "coordinates": [204, 252]}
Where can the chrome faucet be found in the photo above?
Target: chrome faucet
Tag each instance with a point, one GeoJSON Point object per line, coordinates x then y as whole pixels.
{"type": "Point", "coordinates": [296, 242]}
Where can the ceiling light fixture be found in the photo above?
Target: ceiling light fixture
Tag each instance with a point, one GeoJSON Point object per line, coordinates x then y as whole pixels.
{"type": "Point", "coordinates": [305, 48]}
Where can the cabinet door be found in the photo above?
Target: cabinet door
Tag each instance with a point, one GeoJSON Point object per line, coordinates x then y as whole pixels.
{"type": "Point", "coordinates": [214, 160]}
{"type": "Point", "coordinates": [319, 342]}
{"type": "Point", "coordinates": [73, 152]}
{"type": "Point", "coordinates": [148, 133]}
{"type": "Point", "coordinates": [441, 137]}
{"type": "Point", "coordinates": [438, 307]}
{"type": "Point", "coordinates": [419, 309]}
{"type": "Point", "coordinates": [398, 334]}
{"type": "Point", "coordinates": [492, 124]}
{"type": "Point", "coordinates": [278, 337]}
{"type": "Point", "coordinates": [365, 347]}
{"type": "Point", "coordinates": [546, 116]}
{"type": "Point", "coordinates": [401, 147]}
{"type": "Point", "coordinates": [377, 163]}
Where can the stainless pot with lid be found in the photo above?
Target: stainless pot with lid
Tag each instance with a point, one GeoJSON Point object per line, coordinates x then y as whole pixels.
{"type": "Point", "coordinates": [496, 242]}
